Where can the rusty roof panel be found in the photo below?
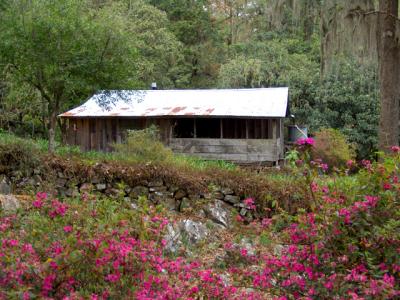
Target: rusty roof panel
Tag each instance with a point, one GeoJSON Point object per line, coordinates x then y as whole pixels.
{"type": "Point", "coordinates": [263, 102]}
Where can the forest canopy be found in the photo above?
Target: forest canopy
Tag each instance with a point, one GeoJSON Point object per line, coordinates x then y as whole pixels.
{"type": "Point", "coordinates": [54, 54]}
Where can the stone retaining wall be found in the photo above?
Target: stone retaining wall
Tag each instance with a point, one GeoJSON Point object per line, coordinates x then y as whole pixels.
{"type": "Point", "coordinates": [157, 191]}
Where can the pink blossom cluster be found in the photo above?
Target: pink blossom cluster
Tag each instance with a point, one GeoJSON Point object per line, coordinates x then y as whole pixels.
{"type": "Point", "coordinates": [306, 142]}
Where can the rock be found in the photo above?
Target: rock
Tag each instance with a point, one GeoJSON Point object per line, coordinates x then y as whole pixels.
{"type": "Point", "coordinates": [219, 195]}
{"type": "Point", "coordinates": [161, 189]}
{"type": "Point", "coordinates": [72, 192]}
{"type": "Point", "coordinates": [114, 193]}
{"type": "Point", "coordinates": [9, 203]}
{"type": "Point", "coordinates": [138, 191]}
{"type": "Point", "coordinates": [227, 191]}
{"type": "Point", "coordinates": [86, 187]}
{"type": "Point", "coordinates": [173, 239]}
{"type": "Point", "coordinates": [173, 188]}
{"type": "Point", "coordinates": [243, 212]}
{"type": "Point", "coordinates": [194, 231]}
{"type": "Point", "coordinates": [247, 244]}
{"type": "Point", "coordinates": [101, 186]}
{"type": "Point", "coordinates": [226, 279]}
{"type": "Point", "coordinates": [179, 194]}
{"type": "Point", "coordinates": [170, 203]}
{"type": "Point", "coordinates": [38, 180]}
{"type": "Point", "coordinates": [157, 197]}
{"type": "Point", "coordinates": [234, 255]}
{"type": "Point", "coordinates": [190, 231]}
{"type": "Point", "coordinates": [278, 250]}
{"type": "Point", "coordinates": [17, 174]}
{"type": "Point", "coordinates": [208, 196]}
{"type": "Point", "coordinates": [201, 214]}
{"type": "Point", "coordinates": [193, 196]}
{"type": "Point", "coordinates": [219, 212]}
{"type": "Point", "coordinates": [60, 182]}
{"type": "Point", "coordinates": [232, 199]}
{"type": "Point", "coordinates": [156, 182]}
{"type": "Point", "coordinates": [95, 180]}
{"type": "Point", "coordinates": [185, 204]}
{"type": "Point", "coordinates": [27, 182]}
{"type": "Point", "coordinates": [5, 186]}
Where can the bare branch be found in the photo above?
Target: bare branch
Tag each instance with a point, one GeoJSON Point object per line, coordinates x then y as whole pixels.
{"type": "Point", "coordinates": [376, 12]}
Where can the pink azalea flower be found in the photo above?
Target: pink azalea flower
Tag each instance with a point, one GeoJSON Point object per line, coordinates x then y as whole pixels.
{"type": "Point", "coordinates": [324, 167]}
{"type": "Point", "coordinates": [266, 222]}
{"type": "Point", "coordinates": [113, 277]}
{"type": "Point", "coordinates": [306, 141]}
{"type": "Point", "coordinates": [249, 202]}
{"type": "Point", "coordinates": [387, 186]}
{"type": "Point", "coordinates": [349, 163]}
{"type": "Point", "coordinates": [37, 203]}
{"type": "Point", "coordinates": [68, 228]}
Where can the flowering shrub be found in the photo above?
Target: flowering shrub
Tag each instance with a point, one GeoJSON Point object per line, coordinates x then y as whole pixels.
{"type": "Point", "coordinates": [332, 147]}
{"type": "Point", "coordinates": [345, 247]}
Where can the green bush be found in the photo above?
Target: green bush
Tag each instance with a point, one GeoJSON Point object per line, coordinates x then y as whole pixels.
{"type": "Point", "coordinates": [144, 145]}
{"type": "Point", "coordinates": [332, 148]}
{"type": "Point", "coordinates": [18, 154]}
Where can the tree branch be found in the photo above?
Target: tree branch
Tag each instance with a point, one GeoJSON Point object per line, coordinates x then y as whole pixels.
{"type": "Point", "coordinates": [105, 49]}
{"type": "Point", "coordinates": [377, 12]}
{"type": "Point", "coordinates": [37, 85]}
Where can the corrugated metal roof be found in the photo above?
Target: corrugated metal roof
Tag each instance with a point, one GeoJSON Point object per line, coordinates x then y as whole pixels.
{"type": "Point", "coordinates": [262, 102]}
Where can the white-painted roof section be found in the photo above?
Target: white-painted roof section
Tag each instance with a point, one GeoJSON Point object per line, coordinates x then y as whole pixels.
{"type": "Point", "coordinates": [261, 102]}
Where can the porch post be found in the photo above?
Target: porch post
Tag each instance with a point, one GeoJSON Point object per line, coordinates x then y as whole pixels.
{"type": "Point", "coordinates": [194, 128]}
{"type": "Point", "coordinates": [221, 129]}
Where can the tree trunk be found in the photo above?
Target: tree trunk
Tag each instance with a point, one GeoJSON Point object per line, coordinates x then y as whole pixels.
{"type": "Point", "coordinates": [54, 110]}
{"type": "Point", "coordinates": [52, 131]}
{"type": "Point", "coordinates": [62, 124]}
{"type": "Point", "coordinates": [389, 74]}
{"type": "Point", "coordinates": [308, 21]}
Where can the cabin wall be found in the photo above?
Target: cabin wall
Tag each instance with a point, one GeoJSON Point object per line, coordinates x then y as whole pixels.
{"type": "Point", "coordinates": [244, 140]}
{"type": "Point", "coordinates": [237, 150]}
{"type": "Point", "coordinates": [100, 133]}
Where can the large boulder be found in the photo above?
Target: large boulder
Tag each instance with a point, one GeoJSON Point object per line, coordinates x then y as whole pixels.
{"type": "Point", "coordinates": [190, 231]}
{"type": "Point", "coordinates": [219, 212]}
{"type": "Point", "coordinates": [9, 203]}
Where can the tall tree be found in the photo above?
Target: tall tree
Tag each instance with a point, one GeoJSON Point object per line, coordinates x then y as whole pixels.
{"type": "Point", "coordinates": [389, 72]}
{"type": "Point", "coordinates": [193, 25]}
{"type": "Point", "coordinates": [65, 49]}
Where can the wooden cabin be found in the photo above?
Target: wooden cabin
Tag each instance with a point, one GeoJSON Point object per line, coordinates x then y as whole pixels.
{"type": "Point", "coordinates": [240, 125]}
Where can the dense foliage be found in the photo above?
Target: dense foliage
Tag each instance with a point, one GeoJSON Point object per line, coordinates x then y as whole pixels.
{"type": "Point", "coordinates": [54, 54]}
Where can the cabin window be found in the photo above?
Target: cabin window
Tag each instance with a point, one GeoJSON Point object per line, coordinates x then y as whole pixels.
{"type": "Point", "coordinates": [234, 128]}
{"type": "Point", "coordinates": [223, 128]}
{"type": "Point", "coordinates": [184, 128]}
{"type": "Point", "coordinates": [208, 128]}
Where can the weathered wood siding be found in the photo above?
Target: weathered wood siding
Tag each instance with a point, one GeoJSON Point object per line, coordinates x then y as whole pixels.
{"type": "Point", "coordinates": [238, 150]}
{"type": "Point", "coordinates": [101, 133]}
